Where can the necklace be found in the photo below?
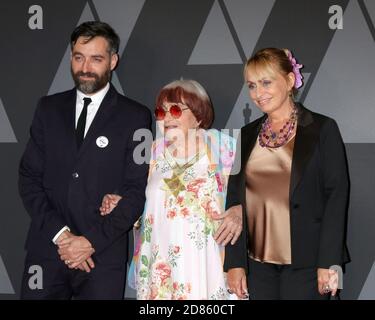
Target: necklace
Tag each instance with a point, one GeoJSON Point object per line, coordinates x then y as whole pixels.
{"type": "Point", "coordinates": [270, 139]}
{"type": "Point", "coordinates": [174, 184]}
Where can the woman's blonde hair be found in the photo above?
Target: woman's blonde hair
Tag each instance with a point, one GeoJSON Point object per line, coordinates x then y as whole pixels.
{"type": "Point", "coordinates": [266, 60]}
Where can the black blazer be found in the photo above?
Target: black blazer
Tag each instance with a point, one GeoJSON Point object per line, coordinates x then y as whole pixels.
{"type": "Point", "coordinates": [61, 185]}
{"type": "Point", "coordinates": [318, 195]}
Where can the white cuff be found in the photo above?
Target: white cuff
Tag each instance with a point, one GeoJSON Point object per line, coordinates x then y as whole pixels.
{"type": "Point", "coordinates": [59, 234]}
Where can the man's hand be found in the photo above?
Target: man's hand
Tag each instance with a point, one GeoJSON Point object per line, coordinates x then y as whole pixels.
{"type": "Point", "coordinates": [231, 227]}
{"type": "Point", "coordinates": [66, 234]}
{"type": "Point", "coordinates": [75, 250]}
{"type": "Point", "coordinates": [85, 265]}
{"type": "Point", "coordinates": [236, 281]}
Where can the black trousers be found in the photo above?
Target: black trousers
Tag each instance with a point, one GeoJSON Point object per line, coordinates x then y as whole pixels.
{"type": "Point", "coordinates": [61, 283]}
{"type": "Point", "coordinates": [268, 281]}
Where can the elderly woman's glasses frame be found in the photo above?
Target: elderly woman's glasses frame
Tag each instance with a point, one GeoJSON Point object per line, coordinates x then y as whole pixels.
{"type": "Point", "coordinates": [175, 110]}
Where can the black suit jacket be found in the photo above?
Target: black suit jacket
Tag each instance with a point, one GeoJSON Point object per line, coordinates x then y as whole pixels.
{"type": "Point", "coordinates": [318, 195]}
{"type": "Point", "coordinates": [61, 185]}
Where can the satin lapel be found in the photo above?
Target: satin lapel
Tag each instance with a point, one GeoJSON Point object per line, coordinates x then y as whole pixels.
{"type": "Point", "coordinates": [307, 136]}
{"type": "Point", "coordinates": [105, 111]}
{"type": "Point", "coordinates": [69, 118]}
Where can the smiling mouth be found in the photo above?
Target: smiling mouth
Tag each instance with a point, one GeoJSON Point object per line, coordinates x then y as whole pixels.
{"type": "Point", "coordinates": [264, 101]}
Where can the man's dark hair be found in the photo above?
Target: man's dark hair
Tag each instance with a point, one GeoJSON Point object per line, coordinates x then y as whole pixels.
{"type": "Point", "coordinates": [91, 29]}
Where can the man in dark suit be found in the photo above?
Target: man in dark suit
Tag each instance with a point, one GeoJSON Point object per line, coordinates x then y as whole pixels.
{"type": "Point", "coordinates": [81, 147]}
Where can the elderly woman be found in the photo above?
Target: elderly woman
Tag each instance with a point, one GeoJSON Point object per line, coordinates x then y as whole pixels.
{"type": "Point", "coordinates": [178, 255]}
{"type": "Point", "coordinates": [293, 189]}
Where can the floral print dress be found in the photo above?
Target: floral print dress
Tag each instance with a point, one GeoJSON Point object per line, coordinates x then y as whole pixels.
{"type": "Point", "coordinates": [175, 255]}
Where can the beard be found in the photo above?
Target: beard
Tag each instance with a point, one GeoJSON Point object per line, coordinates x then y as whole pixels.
{"type": "Point", "coordinates": [91, 86]}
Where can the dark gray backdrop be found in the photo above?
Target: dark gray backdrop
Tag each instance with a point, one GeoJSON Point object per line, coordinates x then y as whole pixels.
{"type": "Point", "coordinates": [207, 40]}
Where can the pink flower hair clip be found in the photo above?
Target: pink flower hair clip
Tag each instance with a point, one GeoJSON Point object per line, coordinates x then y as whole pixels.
{"type": "Point", "coordinates": [296, 66]}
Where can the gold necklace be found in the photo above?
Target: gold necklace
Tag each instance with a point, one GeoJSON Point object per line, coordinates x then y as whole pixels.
{"type": "Point", "coordinates": [174, 184]}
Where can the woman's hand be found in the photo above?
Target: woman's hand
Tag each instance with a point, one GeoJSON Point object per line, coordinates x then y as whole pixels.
{"type": "Point", "coordinates": [327, 281]}
{"type": "Point", "coordinates": [109, 202]}
{"type": "Point", "coordinates": [236, 281]}
{"type": "Point", "coordinates": [231, 227]}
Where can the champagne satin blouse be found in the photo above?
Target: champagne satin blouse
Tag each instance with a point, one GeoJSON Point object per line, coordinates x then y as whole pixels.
{"type": "Point", "coordinates": [267, 202]}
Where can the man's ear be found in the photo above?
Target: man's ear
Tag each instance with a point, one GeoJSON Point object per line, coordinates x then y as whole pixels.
{"type": "Point", "coordinates": [114, 61]}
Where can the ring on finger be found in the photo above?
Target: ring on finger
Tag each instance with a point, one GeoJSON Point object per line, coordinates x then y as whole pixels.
{"type": "Point", "coordinates": [326, 288]}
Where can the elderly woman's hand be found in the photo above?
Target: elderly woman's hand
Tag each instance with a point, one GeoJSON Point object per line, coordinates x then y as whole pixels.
{"type": "Point", "coordinates": [231, 227]}
{"type": "Point", "coordinates": [109, 202]}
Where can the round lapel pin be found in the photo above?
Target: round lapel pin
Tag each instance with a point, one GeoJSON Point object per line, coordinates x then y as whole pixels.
{"type": "Point", "coordinates": [102, 141]}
